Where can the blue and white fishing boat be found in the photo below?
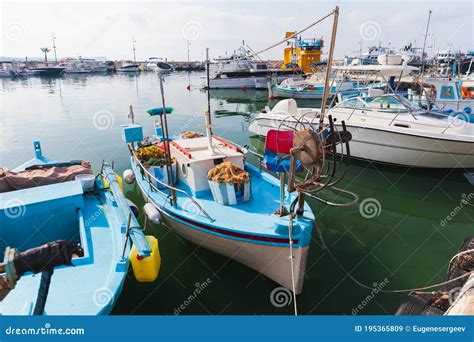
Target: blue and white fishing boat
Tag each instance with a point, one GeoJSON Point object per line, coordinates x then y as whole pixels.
{"type": "Point", "coordinates": [313, 88]}
{"type": "Point", "coordinates": [63, 205]}
{"type": "Point", "coordinates": [205, 191]}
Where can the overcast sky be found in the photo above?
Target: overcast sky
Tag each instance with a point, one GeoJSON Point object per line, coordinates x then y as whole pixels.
{"type": "Point", "coordinates": [161, 28]}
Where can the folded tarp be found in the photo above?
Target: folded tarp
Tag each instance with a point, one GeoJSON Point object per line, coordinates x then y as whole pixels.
{"type": "Point", "coordinates": [41, 175]}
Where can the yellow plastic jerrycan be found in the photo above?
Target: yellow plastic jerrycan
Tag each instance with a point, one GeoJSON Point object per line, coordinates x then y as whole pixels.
{"type": "Point", "coordinates": [146, 269]}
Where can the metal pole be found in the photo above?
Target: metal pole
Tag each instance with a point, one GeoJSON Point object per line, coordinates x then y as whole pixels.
{"type": "Point", "coordinates": [208, 63]}
{"type": "Point", "coordinates": [134, 55]}
{"type": "Point", "coordinates": [328, 66]}
{"type": "Point", "coordinates": [424, 45]}
{"type": "Point", "coordinates": [189, 44]}
{"type": "Point", "coordinates": [54, 47]}
{"type": "Point", "coordinates": [169, 166]}
{"type": "Point", "coordinates": [208, 125]}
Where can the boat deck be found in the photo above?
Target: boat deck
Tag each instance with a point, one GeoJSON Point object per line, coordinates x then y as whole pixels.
{"type": "Point", "coordinates": [252, 220]}
{"type": "Point", "coordinates": [92, 285]}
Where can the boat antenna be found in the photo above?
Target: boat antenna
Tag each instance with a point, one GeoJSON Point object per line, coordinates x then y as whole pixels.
{"type": "Point", "coordinates": [166, 141]}
{"type": "Point", "coordinates": [328, 66]}
{"type": "Point", "coordinates": [54, 47]}
{"type": "Point", "coordinates": [208, 124]}
{"type": "Point", "coordinates": [188, 45]}
{"type": "Point", "coordinates": [134, 54]}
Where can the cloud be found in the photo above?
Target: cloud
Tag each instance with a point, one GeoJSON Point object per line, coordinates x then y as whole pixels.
{"type": "Point", "coordinates": [107, 28]}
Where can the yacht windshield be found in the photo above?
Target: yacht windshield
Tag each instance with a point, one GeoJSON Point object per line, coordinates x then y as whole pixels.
{"type": "Point", "coordinates": [385, 103]}
{"type": "Point", "coordinates": [410, 104]}
{"type": "Point", "coordinates": [352, 103]}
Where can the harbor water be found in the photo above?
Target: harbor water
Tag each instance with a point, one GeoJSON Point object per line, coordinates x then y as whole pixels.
{"type": "Point", "coordinates": [402, 234]}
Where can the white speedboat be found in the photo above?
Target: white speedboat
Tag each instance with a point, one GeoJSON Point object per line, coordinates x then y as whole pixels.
{"type": "Point", "coordinates": [101, 67]}
{"type": "Point", "coordinates": [387, 128]}
{"type": "Point", "coordinates": [243, 71]}
{"type": "Point", "coordinates": [77, 67]}
{"type": "Point", "coordinates": [157, 64]}
{"type": "Point", "coordinates": [256, 76]}
{"type": "Point", "coordinates": [128, 66]}
{"type": "Point", "coordinates": [7, 70]}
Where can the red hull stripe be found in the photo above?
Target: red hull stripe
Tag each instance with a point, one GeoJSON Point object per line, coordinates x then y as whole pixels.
{"type": "Point", "coordinates": [227, 143]}
{"type": "Point", "coordinates": [233, 234]}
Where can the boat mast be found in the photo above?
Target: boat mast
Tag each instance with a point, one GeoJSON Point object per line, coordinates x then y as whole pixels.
{"type": "Point", "coordinates": [208, 125]}
{"type": "Point", "coordinates": [54, 47]}
{"type": "Point", "coordinates": [424, 43]}
{"type": "Point", "coordinates": [328, 67]}
{"type": "Point", "coordinates": [188, 44]}
{"type": "Point", "coordinates": [134, 55]}
{"type": "Point", "coordinates": [167, 147]}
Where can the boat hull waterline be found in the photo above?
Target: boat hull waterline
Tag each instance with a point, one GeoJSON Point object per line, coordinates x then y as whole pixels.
{"type": "Point", "coordinates": [268, 255]}
{"type": "Point", "coordinates": [395, 147]}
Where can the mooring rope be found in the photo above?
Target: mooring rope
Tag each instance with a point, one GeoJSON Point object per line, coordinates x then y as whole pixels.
{"type": "Point", "coordinates": [288, 38]}
{"type": "Point", "coordinates": [323, 244]}
{"type": "Point", "coordinates": [290, 236]}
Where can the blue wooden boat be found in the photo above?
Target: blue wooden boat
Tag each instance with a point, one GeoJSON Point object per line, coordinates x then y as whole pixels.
{"type": "Point", "coordinates": [204, 189]}
{"type": "Point", "coordinates": [97, 217]}
{"type": "Point", "coordinates": [252, 233]}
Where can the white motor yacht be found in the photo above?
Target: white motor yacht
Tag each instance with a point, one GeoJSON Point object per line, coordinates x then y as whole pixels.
{"type": "Point", "coordinates": [386, 128]}
{"type": "Point", "coordinates": [158, 64]}
{"type": "Point", "coordinates": [128, 66]}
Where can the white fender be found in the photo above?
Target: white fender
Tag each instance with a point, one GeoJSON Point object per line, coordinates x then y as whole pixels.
{"type": "Point", "coordinates": [128, 176]}
{"type": "Point", "coordinates": [152, 213]}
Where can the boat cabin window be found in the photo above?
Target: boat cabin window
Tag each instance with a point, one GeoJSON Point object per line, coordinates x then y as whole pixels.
{"type": "Point", "coordinates": [391, 103]}
{"type": "Point", "coordinates": [352, 103]}
{"type": "Point", "coordinates": [447, 92]}
{"type": "Point", "coordinates": [385, 102]}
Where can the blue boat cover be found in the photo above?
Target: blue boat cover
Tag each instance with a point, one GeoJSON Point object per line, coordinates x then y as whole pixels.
{"type": "Point", "coordinates": [273, 162]}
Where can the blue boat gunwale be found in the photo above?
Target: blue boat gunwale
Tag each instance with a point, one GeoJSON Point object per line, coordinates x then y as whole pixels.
{"type": "Point", "coordinates": [207, 226]}
{"type": "Point", "coordinates": [101, 204]}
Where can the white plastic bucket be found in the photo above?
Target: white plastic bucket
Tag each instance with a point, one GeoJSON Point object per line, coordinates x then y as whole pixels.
{"type": "Point", "coordinates": [227, 194]}
{"type": "Point", "coordinates": [87, 181]}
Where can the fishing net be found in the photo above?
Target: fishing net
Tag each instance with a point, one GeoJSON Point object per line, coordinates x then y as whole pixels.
{"type": "Point", "coordinates": [190, 135]}
{"type": "Point", "coordinates": [145, 153]}
{"type": "Point", "coordinates": [228, 173]}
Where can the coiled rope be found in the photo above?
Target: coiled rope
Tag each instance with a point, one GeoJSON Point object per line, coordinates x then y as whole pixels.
{"type": "Point", "coordinates": [288, 38]}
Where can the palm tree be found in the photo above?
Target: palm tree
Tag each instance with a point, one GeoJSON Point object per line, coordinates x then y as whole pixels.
{"type": "Point", "coordinates": [45, 50]}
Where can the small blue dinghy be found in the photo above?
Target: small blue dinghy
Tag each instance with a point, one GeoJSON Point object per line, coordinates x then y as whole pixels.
{"type": "Point", "coordinates": [54, 201]}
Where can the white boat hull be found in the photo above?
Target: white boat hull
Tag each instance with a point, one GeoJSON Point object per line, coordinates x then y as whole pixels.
{"type": "Point", "coordinates": [395, 147]}
{"type": "Point", "coordinates": [410, 150]}
{"type": "Point", "coordinates": [239, 83]}
{"type": "Point", "coordinates": [271, 261]}
{"type": "Point", "coordinates": [128, 70]}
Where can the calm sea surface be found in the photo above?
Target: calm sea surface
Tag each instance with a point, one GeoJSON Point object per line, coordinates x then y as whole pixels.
{"type": "Point", "coordinates": [402, 243]}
